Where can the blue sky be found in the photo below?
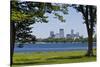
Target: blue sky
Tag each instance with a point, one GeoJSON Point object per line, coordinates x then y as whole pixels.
{"type": "Point", "coordinates": [73, 19]}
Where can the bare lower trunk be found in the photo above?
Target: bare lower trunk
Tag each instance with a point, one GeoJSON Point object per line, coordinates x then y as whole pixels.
{"type": "Point", "coordinates": [12, 41]}
{"type": "Point", "coordinates": [90, 45]}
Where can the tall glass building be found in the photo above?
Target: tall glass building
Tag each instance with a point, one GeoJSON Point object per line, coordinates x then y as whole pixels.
{"type": "Point", "coordinates": [61, 33]}
{"type": "Point", "coordinates": [52, 34]}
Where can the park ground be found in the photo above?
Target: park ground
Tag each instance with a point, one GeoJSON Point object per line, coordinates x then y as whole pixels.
{"type": "Point", "coordinates": [52, 57]}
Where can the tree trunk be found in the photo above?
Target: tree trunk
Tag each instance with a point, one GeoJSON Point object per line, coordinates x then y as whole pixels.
{"type": "Point", "coordinates": [90, 44]}
{"type": "Point", "coordinates": [89, 31]}
{"type": "Point", "coordinates": [12, 41]}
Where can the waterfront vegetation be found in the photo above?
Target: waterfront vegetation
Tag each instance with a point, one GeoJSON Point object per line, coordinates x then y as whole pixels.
{"type": "Point", "coordinates": [80, 39]}
{"type": "Point", "coordinates": [52, 57]}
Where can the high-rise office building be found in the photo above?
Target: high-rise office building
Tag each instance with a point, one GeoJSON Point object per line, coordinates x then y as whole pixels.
{"type": "Point", "coordinates": [72, 31]}
{"type": "Point", "coordinates": [52, 34]}
{"type": "Point", "coordinates": [61, 33]}
{"type": "Point", "coordinates": [77, 34]}
{"type": "Point", "coordinates": [73, 35]}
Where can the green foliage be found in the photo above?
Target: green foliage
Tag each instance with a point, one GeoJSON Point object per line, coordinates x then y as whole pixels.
{"type": "Point", "coordinates": [26, 10]}
{"type": "Point", "coordinates": [55, 8]}
{"type": "Point", "coordinates": [77, 40]}
{"type": "Point", "coordinates": [59, 17]}
{"type": "Point", "coordinates": [18, 16]}
{"type": "Point", "coordinates": [23, 32]}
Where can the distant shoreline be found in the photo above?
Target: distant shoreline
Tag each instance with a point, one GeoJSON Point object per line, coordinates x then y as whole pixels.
{"type": "Point", "coordinates": [52, 42]}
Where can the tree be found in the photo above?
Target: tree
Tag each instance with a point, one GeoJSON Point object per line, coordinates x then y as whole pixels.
{"type": "Point", "coordinates": [26, 13]}
{"type": "Point", "coordinates": [89, 15]}
{"type": "Point", "coordinates": [16, 26]}
{"type": "Point", "coordinates": [23, 32]}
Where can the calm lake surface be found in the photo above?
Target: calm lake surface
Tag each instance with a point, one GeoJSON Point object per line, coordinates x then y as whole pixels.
{"type": "Point", "coordinates": [52, 47]}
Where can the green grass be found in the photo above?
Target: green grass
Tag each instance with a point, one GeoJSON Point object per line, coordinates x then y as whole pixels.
{"type": "Point", "coordinates": [37, 58]}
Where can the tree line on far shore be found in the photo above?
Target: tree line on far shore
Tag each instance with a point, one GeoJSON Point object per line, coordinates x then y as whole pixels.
{"type": "Point", "coordinates": [80, 39]}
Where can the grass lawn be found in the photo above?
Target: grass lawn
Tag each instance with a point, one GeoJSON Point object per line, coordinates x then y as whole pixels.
{"type": "Point", "coordinates": [53, 57]}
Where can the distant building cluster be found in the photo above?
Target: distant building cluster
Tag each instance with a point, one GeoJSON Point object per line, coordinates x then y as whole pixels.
{"type": "Point", "coordinates": [57, 35]}
{"type": "Point", "coordinates": [72, 35]}
{"type": "Point", "coordinates": [61, 34]}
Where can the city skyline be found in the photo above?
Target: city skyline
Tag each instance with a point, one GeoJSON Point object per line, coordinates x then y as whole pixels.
{"type": "Point", "coordinates": [61, 34]}
{"type": "Point", "coordinates": [57, 35]}
{"type": "Point", "coordinates": [74, 20]}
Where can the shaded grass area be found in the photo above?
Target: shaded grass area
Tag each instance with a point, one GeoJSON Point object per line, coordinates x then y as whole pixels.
{"type": "Point", "coordinates": [53, 57]}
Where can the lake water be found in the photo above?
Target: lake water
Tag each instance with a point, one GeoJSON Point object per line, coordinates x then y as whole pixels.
{"type": "Point", "coordinates": [53, 47]}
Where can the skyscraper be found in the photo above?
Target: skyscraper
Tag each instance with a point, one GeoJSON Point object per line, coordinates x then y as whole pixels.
{"type": "Point", "coordinates": [72, 31]}
{"type": "Point", "coordinates": [77, 34]}
{"type": "Point", "coordinates": [61, 33]}
{"type": "Point", "coordinates": [52, 34]}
